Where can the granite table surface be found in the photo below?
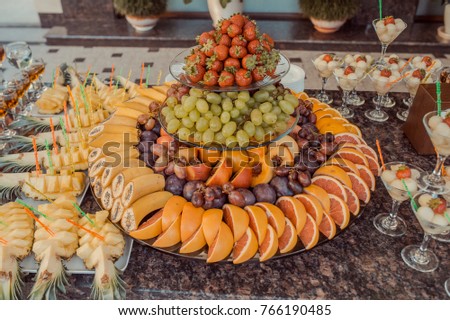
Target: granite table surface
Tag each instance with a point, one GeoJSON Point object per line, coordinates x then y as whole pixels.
{"type": "Point", "coordinates": [361, 263]}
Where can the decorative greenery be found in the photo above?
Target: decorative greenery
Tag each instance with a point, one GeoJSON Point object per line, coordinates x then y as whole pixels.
{"type": "Point", "coordinates": [223, 3]}
{"type": "Point", "coordinates": [140, 8]}
{"type": "Point", "coordinates": [330, 9]}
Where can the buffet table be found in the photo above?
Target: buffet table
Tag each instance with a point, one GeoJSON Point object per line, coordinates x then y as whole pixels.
{"type": "Point", "coordinates": [360, 263]}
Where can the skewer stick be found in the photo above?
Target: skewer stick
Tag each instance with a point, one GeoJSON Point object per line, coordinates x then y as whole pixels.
{"type": "Point", "coordinates": [142, 75]}
{"type": "Point", "coordinates": [55, 145]}
{"type": "Point", "coordinates": [95, 234]}
{"type": "Point", "coordinates": [3, 242]}
{"type": "Point", "coordinates": [158, 81]}
{"type": "Point", "coordinates": [32, 209]}
{"type": "Point", "coordinates": [66, 116]}
{"type": "Point", "coordinates": [87, 75]}
{"type": "Point", "coordinates": [147, 78]}
{"type": "Point", "coordinates": [46, 228]}
{"type": "Point", "coordinates": [83, 213]}
{"type": "Point", "coordinates": [38, 191]}
{"type": "Point", "coordinates": [398, 79]}
{"type": "Point", "coordinates": [431, 66]}
{"type": "Point", "coordinates": [36, 157]}
{"type": "Point", "coordinates": [380, 154]}
{"type": "Point", "coordinates": [414, 204]}
{"type": "Point", "coordinates": [405, 65]}
{"type": "Point", "coordinates": [56, 76]}
{"type": "Point", "coordinates": [111, 77]}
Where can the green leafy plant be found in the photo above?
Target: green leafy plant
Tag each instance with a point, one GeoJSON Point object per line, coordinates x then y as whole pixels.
{"type": "Point", "coordinates": [140, 8]}
{"type": "Point", "coordinates": [329, 9]}
{"type": "Point", "coordinates": [223, 3]}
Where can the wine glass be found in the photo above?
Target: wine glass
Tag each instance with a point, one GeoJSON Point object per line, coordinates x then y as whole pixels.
{"type": "Point", "coordinates": [439, 132]}
{"type": "Point", "coordinates": [395, 176]}
{"type": "Point", "coordinates": [362, 62]}
{"type": "Point", "coordinates": [20, 82]}
{"type": "Point", "coordinates": [8, 100]}
{"type": "Point", "coordinates": [347, 78]}
{"type": "Point", "coordinates": [18, 54]}
{"type": "Point", "coordinates": [387, 30]}
{"type": "Point", "coordinates": [433, 213]}
{"type": "Point", "coordinates": [427, 63]}
{"type": "Point", "coordinates": [412, 80]}
{"type": "Point", "coordinates": [447, 286]}
{"type": "Point", "coordinates": [384, 80]}
{"type": "Point", "coordinates": [325, 64]}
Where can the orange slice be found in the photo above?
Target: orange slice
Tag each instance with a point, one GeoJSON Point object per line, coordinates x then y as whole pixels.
{"type": "Point", "coordinates": [327, 227]}
{"type": "Point", "coordinates": [373, 165]}
{"type": "Point", "coordinates": [171, 211]}
{"type": "Point", "coordinates": [334, 128]}
{"type": "Point", "coordinates": [274, 215]}
{"type": "Point", "coordinates": [310, 233]}
{"type": "Point", "coordinates": [348, 137]}
{"type": "Point", "coordinates": [360, 187]}
{"type": "Point", "coordinates": [258, 222]}
{"type": "Point", "coordinates": [329, 120]}
{"type": "Point", "coordinates": [312, 206]}
{"type": "Point", "coordinates": [339, 211]}
{"type": "Point", "coordinates": [344, 164]}
{"type": "Point", "coordinates": [355, 156]}
{"type": "Point", "coordinates": [194, 243]}
{"type": "Point", "coordinates": [352, 128]}
{"type": "Point", "coordinates": [294, 210]}
{"type": "Point", "coordinates": [330, 185]}
{"type": "Point", "coordinates": [368, 151]}
{"type": "Point", "coordinates": [334, 172]}
{"type": "Point", "coordinates": [171, 236]}
{"type": "Point", "coordinates": [150, 228]}
{"type": "Point", "coordinates": [328, 111]}
{"type": "Point", "coordinates": [211, 223]}
{"type": "Point", "coordinates": [353, 203]}
{"type": "Point", "coordinates": [237, 219]}
{"type": "Point", "coordinates": [288, 239]}
{"type": "Point", "coordinates": [246, 247]}
{"type": "Point", "coordinates": [269, 246]}
{"type": "Point", "coordinates": [222, 244]}
{"type": "Point", "coordinates": [320, 194]}
{"type": "Point", "coordinates": [191, 220]}
{"type": "Point", "coordinates": [301, 95]}
{"type": "Point", "coordinates": [367, 176]}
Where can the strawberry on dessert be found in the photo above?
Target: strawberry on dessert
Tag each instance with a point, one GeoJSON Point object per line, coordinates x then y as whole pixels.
{"type": "Point", "coordinates": [396, 177]}
{"type": "Point", "coordinates": [359, 61]}
{"type": "Point", "coordinates": [382, 77]}
{"type": "Point", "coordinates": [394, 62]}
{"type": "Point", "coordinates": [427, 63]}
{"type": "Point", "coordinates": [415, 78]}
{"type": "Point", "coordinates": [326, 63]}
{"type": "Point", "coordinates": [389, 28]}
{"type": "Point", "coordinates": [432, 213]}
{"type": "Point", "coordinates": [439, 132]}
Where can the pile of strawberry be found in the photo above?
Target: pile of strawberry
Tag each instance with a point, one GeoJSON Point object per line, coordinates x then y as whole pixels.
{"type": "Point", "coordinates": [235, 53]}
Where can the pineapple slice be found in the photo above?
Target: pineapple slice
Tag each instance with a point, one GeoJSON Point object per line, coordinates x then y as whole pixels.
{"type": "Point", "coordinates": [100, 255]}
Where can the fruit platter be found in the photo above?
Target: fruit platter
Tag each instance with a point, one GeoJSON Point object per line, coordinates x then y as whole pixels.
{"type": "Point", "coordinates": [248, 173]}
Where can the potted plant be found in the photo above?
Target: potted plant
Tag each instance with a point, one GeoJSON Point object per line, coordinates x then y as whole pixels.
{"type": "Point", "coordinates": [444, 31]}
{"type": "Point", "coordinates": [328, 16]}
{"type": "Point", "coordinates": [222, 9]}
{"type": "Point", "coordinates": [143, 15]}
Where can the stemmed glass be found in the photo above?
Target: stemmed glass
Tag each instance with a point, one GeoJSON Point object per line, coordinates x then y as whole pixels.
{"type": "Point", "coordinates": [412, 80]}
{"type": "Point", "coordinates": [8, 100]}
{"type": "Point", "coordinates": [347, 78]}
{"type": "Point", "coordinates": [35, 71]}
{"type": "Point", "coordinates": [439, 132]}
{"type": "Point", "coordinates": [360, 62]}
{"type": "Point", "coordinates": [395, 176]}
{"type": "Point", "coordinates": [18, 54]}
{"type": "Point", "coordinates": [433, 214]}
{"type": "Point", "coordinates": [387, 29]}
{"type": "Point", "coordinates": [384, 80]}
{"type": "Point", "coordinates": [447, 286]}
{"type": "Point", "coordinates": [21, 83]}
{"type": "Point", "coordinates": [325, 64]}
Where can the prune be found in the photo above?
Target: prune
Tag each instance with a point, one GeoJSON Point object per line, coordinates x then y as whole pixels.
{"type": "Point", "coordinates": [280, 184]}
{"type": "Point", "coordinates": [159, 150]}
{"type": "Point", "coordinates": [295, 186]}
{"type": "Point", "coordinates": [175, 185]}
{"type": "Point", "coordinates": [312, 118]}
{"type": "Point", "coordinates": [218, 193]}
{"type": "Point", "coordinates": [209, 194]}
{"type": "Point", "coordinates": [189, 188]}
{"type": "Point", "coordinates": [329, 137]}
{"type": "Point", "coordinates": [248, 196]}
{"type": "Point", "coordinates": [321, 157]}
{"type": "Point", "coordinates": [264, 193]}
{"type": "Point", "coordinates": [161, 164]}
{"type": "Point", "coordinates": [281, 171]}
{"type": "Point", "coordinates": [144, 147]}
{"type": "Point", "coordinates": [157, 128]}
{"type": "Point", "coordinates": [170, 168]}
{"type": "Point", "coordinates": [302, 143]}
{"type": "Point", "coordinates": [154, 106]}
{"type": "Point", "coordinates": [304, 179]}
{"type": "Point", "coordinates": [198, 200]}
{"type": "Point", "coordinates": [293, 175]}
{"type": "Point", "coordinates": [150, 124]}
{"type": "Point", "coordinates": [314, 144]}
{"type": "Point", "coordinates": [236, 198]}
{"type": "Point", "coordinates": [220, 201]}
{"type": "Point", "coordinates": [327, 148]}
{"type": "Point", "coordinates": [148, 136]}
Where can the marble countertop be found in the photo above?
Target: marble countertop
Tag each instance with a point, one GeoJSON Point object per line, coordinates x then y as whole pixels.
{"type": "Point", "coordinates": [361, 263]}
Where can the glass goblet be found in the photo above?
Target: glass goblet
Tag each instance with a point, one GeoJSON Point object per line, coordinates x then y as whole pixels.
{"type": "Point", "coordinates": [387, 30]}
{"type": "Point", "coordinates": [395, 176]}
{"type": "Point", "coordinates": [347, 78]}
{"type": "Point", "coordinates": [433, 214]}
{"type": "Point", "coordinates": [360, 62]}
{"type": "Point", "coordinates": [325, 64]}
{"type": "Point", "coordinates": [8, 100]}
{"type": "Point", "coordinates": [18, 54]}
{"type": "Point", "coordinates": [35, 71]}
{"type": "Point", "coordinates": [447, 286]}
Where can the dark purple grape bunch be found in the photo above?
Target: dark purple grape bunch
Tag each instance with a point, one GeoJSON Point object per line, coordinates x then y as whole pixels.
{"type": "Point", "coordinates": [240, 197]}
{"type": "Point", "coordinates": [289, 181]}
{"type": "Point", "coordinates": [202, 196]}
{"type": "Point", "coordinates": [177, 90]}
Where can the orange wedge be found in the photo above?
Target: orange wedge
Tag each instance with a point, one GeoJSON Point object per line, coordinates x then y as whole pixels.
{"type": "Point", "coordinates": [301, 95]}
{"type": "Point", "coordinates": [294, 210]}
{"type": "Point", "coordinates": [367, 176]}
{"type": "Point", "coordinates": [324, 121]}
{"type": "Point", "coordinates": [237, 219]}
{"type": "Point", "coordinates": [150, 228]}
{"type": "Point", "coordinates": [360, 187]}
{"type": "Point", "coordinates": [328, 111]}
{"type": "Point", "coordinates": [327, 227]}
{"type": "Point", "coordinates": [288, 239]}
{"type": "Point", "coordinates": [258, 222]}
{"type": "Point", "coordinates": [334, 172]}
{"type": "Point", "coordinates": [246, 247]}
{"type": "Point", "coordinates": [312, 206]}
{"type": "Point", "coordinates": [330, 185]}
{"type": "Point", "coordinates": [222, 244]}
{"type": "Point", "coordinates": [191, 220]}
{"type": "Point", "coordinates": [368, 151]}
{"type": "Point", "coordinates": [269, 246]}
{"type": "Point", "coordinates": [353, 203]}
{"type": "Point", "coordinates": [194, 243]}
{"type": "Point", "coordinates": [320, 194]}
{"type": "Point", "coordinates": [352, 128]}
{"type": "Point", "coordinates": [348, 137]}
{"type": "Point", "coordinates": [274, 215]}
{"type": "Point", "coordinates": [211, 223]}
{"type": "Point", "coordinates": [333, 128]}
{"type": "Point", "coordinates": [171, 211]}
{"type": "Point", "coordinates": [344, 164]}
{"type": "Point", "coordinates": [339, 211]}
{"type": "Point", "coordinates": [373, 165]}
{"type": "Point", "coordinates": [355, 156]}
{"type": "Point", "coordinates": [239, 158]}
{"type": "Point", "coordinates": [319, 106]}
{"type": "Point", "coordinates": [310, 233]}
{"type": "Point", "coordinates": [171, 236]}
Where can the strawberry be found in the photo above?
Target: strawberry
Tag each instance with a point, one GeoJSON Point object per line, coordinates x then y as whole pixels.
{"type": "Point", "coordinates": [438, 205]}
{"type": "Point", "coordinates": [427, 60]}
{"type": "Point", "coordinates": [210, 78]}
{"type": "Point", "coordinates": [385, 73]}
{"type": "Point", "coordinates": [224, 39]}
{"type": "Point", "coordinates": [419, 74]}
{"type": "Point", "coordinates": [254, 46]}
{"type": "Point", "coordinates": [250, 24]}
{"type": "Point", "coordinates": [250, 34]}
{"type": "Point", "coordinates": [221, 52]}
{"type": "Point", "coordinates": [447, 120]}
{"type": "Point", "coordinates": [389, 20]}
{"type": "Point", "coordinates": [249, 62]}
{"type": "Point", "coordinates": [349, 70]}
{"type": "Point", "coordinates": [238, 19]}
{"type": "Point", "coordinates": [238, 52]}
{"type": "Point", "coordinates": [234, 30]}
{"type": "Point", "coordinates": [361, 58]}
{"type": "Point", "coordinates": [232, 65]}
{"type": "Point", "coordinates": [327, 58]}
{"type": "Point", "coordinates": [208, 48]}
{"type": "Point", "coordinates": [226, 79]}
{"type": "Point", "coordinates": [196, 73]}
{"type": "Point", "coordinates": [393, 60]}
{"type": "Point", "coordinates": [268, 39]}
{"type": "Point", "coordinates": [258, 73]}
{"type": "Point", "coordinates": [403, 172]}
{"type": "Point", "coordinates": [239, 41]}
{"type": "Point", "coordinates": [204, 37]}
{"type": "Point", "coordinates": [223, 26]}
{"type": "Point", "coordinates": [214, 64]}
{"type": "Point", "coordinates": [243, 78]}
